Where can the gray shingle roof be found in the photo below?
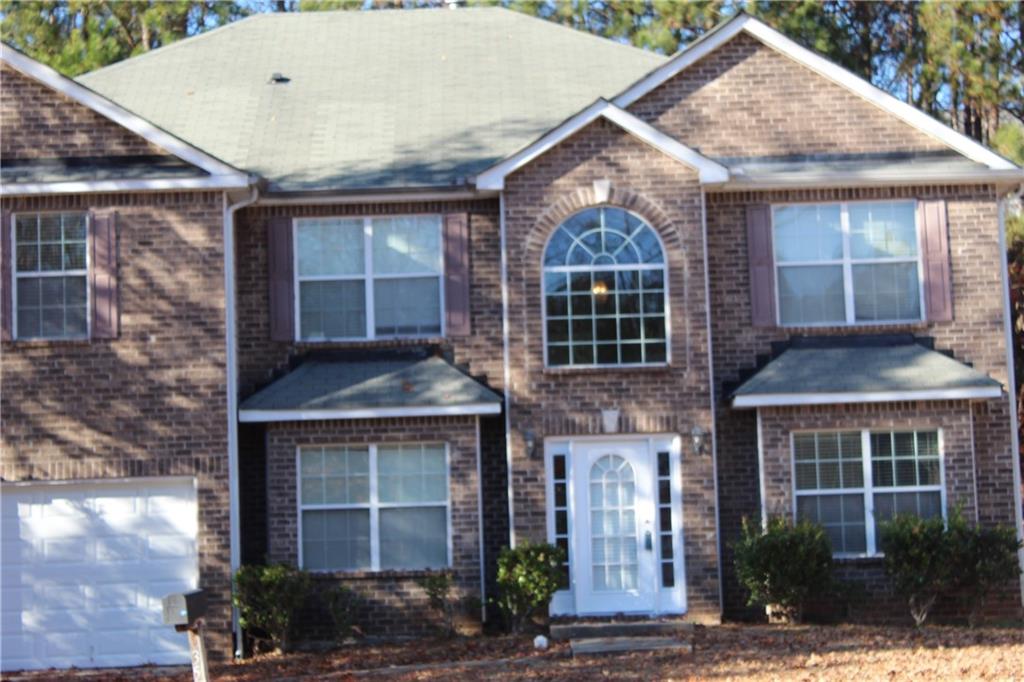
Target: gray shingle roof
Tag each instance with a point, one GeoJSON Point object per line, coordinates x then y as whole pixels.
{"type": "Point", "coordinates": [375, 99]}
{"type": "Point", "coordinates": [382, 382]}
{"type": "Point", "coordinates": [806, 375]}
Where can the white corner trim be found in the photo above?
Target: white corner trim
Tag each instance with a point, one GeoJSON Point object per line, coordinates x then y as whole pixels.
{"type": "Point", "coordinates": [234, 181]}
{"type": "Point", "coordinates": [105, 107]}
{"type": "Point", "coordinates": [784, 399]}
{"type": "Point", "coordinates": [837, 74]}
{"type": "Point", "coordinates": [368, 413]}
{"type": "Point", "coordinates": [709, 171]}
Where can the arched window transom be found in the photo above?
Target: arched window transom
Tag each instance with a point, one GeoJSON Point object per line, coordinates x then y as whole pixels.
{"type": "Point", "coordinates": [604, 291]}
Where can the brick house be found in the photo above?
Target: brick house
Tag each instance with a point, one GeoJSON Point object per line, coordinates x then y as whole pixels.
{"type": "Point", "coordinates": [539, 287]}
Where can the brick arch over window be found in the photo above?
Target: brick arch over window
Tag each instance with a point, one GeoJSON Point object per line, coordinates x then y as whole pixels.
{"type": "Point", "coordinates": [594, 196]}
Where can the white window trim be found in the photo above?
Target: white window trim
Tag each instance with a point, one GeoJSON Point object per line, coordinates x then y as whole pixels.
{"type": "Point", "coordinates": [868, 490]}
{"type": "Point", "coordinates": [612, 268]}
{"type": "Point", "coordinates": [368, 277]}
{"type": "Point", "coordinates": [56, 273]}
{"type": "Point", "coordinates": [847, 262]}
{"type": "Point", "coordinates": [374, 507]}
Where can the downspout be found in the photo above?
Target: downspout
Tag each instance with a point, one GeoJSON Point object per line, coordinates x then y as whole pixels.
{"type": "Point", "coordinates": [232, 391]}
{"type": "Point", "coordinates": [1018, 509]}
{"type": "Point", "coordinates": [507, 369]}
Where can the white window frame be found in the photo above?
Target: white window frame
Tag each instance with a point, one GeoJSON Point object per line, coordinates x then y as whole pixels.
{"type": "Point", "coordinates": [847, 262]}
{"type": "Point", "coordinates": [868, 490]}
{"type": "Point", "coordinates": [373, 505]}
{"type": "Point", "coordinates": [15, 276]}
{"type": "Point", "coordinates": [628, 267]}
{"type": "Point", "coordinates": [368, 277]}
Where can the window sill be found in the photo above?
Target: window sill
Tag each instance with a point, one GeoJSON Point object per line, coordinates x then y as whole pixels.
{"type": "Point", "coordinates": [391, 574]}
{"type": "Point", "coordinates": [46, 343]}
{"type": "Point", "coordinates": [861, 560]}
{"type": "Point", "coordinates": [610, 369]}
{"type": "Point", "coordinates": [371, 343]}
{"type": "Point", "coordinates": [860, 327]}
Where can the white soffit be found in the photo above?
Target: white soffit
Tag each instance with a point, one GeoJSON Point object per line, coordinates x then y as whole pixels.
{"type": "Point", "coordinates": [790, 399]}
{"type": "Point", "coordinates": [777, 41]}
{"type": "Point", "coordinates": [709, 171]}
{"type": "Point", "coordinates": [105, 107]}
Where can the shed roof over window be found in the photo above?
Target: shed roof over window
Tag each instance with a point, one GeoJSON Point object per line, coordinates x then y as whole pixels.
{"type": "Point", "coordinates": [370, 385]}
{"type": "Point", "coordinates": [858, 370]}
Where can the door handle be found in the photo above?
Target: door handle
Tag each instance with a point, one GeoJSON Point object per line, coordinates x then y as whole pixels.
{"type": "Point", "coordinates": [648, 541]}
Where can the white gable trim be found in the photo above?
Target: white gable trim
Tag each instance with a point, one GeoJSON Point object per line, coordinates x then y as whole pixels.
{"type": "Point", "coordinates": [709, 171]}
{"type": "Point", "coordinates": [105, 107]}
{"type": "Point", "coordinates": [786, 399]}
{"type": "Point", "coordinates": [837, 74]}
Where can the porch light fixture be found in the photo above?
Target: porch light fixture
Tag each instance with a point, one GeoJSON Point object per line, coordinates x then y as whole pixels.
{"type": "Point", "coordinates": [530, 438]}
{"type": "Point", "coordinates": [698, 438]}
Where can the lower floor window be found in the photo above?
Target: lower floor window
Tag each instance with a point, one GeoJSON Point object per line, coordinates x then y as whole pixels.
{"type": "Point", "coordinates": [374, 507]}
{"type": "Point", "coordinates": [850, 482]}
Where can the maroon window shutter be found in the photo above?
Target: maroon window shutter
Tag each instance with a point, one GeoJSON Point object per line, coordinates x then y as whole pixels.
{"type": "Point", "coordinates": [7, 276]}
{"type": "Point", "coordinates": [282, 281]}
{"type": "Point", "coordinates": [938, 289]}
{"type": "Point", "coordinates": [456, 274]}
{"type": "Point", "coordinates": [106, 317]}
{"type": "Point", "coordinates": [762, 265]}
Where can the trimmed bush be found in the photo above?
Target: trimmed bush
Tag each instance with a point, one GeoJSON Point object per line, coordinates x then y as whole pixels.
{"type": "Point", "coordinates": [267, 598]}
{"type": "Point", "coordinates": [784, 565]}
{"type": "Point", "coordinates": [438, 587]}
{"type": "Point", "coordinates": [917, 561]}
{"type": "Point", "coordinates": [528, 577]}
{"type": "Point", "coordinates": [341, 603]}
{"type": "Point", "coordinates": [982, 559]}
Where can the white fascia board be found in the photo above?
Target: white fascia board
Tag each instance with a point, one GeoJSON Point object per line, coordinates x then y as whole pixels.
{"type": "Point", "coordinates": [234, 181]}
{"type": "Point", "coordinates": [381, 197]}
{"type": "Point", "coordinates": [790, 399]}
{"type": "Point", "coordinates": [837, 74]}
{"type": "Point", "coordinates": [367, 413]}
{"type": "Point", "coordinates": [116, 113]}
{"type": "Point", "coordinates": [709, 171]}
{"type": "Point", "coordinates": [880, 178]}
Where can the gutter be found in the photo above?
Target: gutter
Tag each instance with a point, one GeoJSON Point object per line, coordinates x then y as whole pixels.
{"type": "Point", "coordinates": [373, 196]}
{"type": "Point", "coordinates": [781, 181]}
{"type": "Point", "coordinates": [15, 189]}
{"type": "Point", "coordinates": [1018, 507]}
{"type": "Point", "coordinates": [231, 360]}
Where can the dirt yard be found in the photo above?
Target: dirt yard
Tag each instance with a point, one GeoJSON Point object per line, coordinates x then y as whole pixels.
{"type": "Point", "coordinates": [727, 652]}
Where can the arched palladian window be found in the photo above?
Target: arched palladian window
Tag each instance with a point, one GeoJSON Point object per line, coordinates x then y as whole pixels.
{"type": "Point", "coordinates": [604, 291]}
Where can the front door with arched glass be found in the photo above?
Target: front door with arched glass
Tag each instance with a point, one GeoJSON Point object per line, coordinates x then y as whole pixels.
{"type": "Point", "coordinates": [615, 564]}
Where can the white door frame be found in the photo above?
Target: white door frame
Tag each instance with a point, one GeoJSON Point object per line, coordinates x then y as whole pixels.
{"type": "Point", "coordinates": [667, 600]}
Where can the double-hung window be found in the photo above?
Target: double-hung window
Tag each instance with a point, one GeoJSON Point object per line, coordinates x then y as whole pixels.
{"type": "Point", "coordinates": [850, 482]}
{"type": "Point", "coordinates": [847, 263]}
{"type": "Point", "coordinates": [374, 507]}
{"type": "Point", "coordinates": [51, 276]}
{"type": "Point", "coordinates": [367, 278]}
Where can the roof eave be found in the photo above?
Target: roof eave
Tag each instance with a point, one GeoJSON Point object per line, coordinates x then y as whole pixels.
{"type": "Point", "coordinates": [209, 182]}
{"type": "Point", "coordinates": [471, 409]}
{"type": "Point", "coordinates": [753, 400]}
{"type": "Point", "coordinates": [739, 182]}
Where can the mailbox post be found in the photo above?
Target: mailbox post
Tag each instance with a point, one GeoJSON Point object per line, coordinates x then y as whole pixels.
{"type": "Point", "coordinates": [185, 612]}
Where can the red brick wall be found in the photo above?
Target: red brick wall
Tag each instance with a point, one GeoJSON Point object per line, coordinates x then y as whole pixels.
{"type": "Point", "coordinates": [37, 123]}
{"type": "Point", "coordinates": [150, 403]}
{"type": "Point", "coordinates": [390, 601]}
{"type": "Point", "coordinates": [746, 99]}
{"type": "Point", "coordinates": [566, 402]}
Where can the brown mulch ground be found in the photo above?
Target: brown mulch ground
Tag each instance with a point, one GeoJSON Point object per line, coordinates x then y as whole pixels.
{"type": "Point", "coordinates": [748, 652]}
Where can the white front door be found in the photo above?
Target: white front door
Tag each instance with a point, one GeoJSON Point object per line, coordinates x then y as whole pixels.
{"type": "Point", "coordinates": [615, 564]}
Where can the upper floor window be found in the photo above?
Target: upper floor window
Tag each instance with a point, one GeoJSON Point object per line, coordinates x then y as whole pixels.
{"type": "Point", "coordinates": [367, 278]}
{"type": "Point", "coordinates": [51, 271]}
{"type": "Point", "coordinates": [847, 263]}
{"type": "Point", "coordinates": [851, 482]}
{"type": "Point", "coordinates": [604, 291]}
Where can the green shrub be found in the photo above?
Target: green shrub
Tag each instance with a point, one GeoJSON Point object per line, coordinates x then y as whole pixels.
{"type": "Point", "coordinates": [267, 598]}
{"type": "Point", "coordinates": [341, 604]}
{"type": "Point", "coordinates": [438, 587]}
{"type": "Point", "coordinates": [784, 565]}
{"type": "Point", "coordinates": [528, 577]}
{"type": "Point", "coordinates": [981, 559]}
{"type": "Point", "coordinates": [917, 559]}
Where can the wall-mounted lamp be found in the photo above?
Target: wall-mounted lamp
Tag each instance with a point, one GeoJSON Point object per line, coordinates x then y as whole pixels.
{"type": "Point", "coordinates": [698, 438]}
{"type": "Point", "coordinates": [530, 438]}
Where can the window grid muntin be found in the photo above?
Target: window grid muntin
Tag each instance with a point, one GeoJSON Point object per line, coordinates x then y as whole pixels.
{"type": "Point", "coordinates": [560, 509]}
{"type": "Point", "coordinates": [17, 274]}
{"type": "Point", "coordinates": [369, 277]}
{"type": "Point", "coordinates": [666, 534]}
{"type": "Point", "coordinates": [652, 349]}
{"type": "Point", "coordinates": [375, 505]}
{"type": "Point", "coordinates": [847, 262]}
{"type": "Point", "coordinates": [868, 490]}
{"type": "Point", "coordinates": [624, 565]}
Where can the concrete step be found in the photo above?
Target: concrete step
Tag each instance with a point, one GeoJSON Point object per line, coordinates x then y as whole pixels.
{"type": "Point", "coordinates": [635, 628]}
{"type": "Point", "coordinates": [590, 646]}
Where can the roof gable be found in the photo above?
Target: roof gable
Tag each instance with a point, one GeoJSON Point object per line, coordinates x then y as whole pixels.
{"type": "Point", "coordinates": [129, 136]}
{"type": "Point", "coordinates": [709, 171]}
{"type": "Point", "coordinates": [746, 24]}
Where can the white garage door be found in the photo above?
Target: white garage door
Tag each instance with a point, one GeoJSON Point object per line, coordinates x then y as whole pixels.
{"type": "Point", "coordinates": [85, 566]}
